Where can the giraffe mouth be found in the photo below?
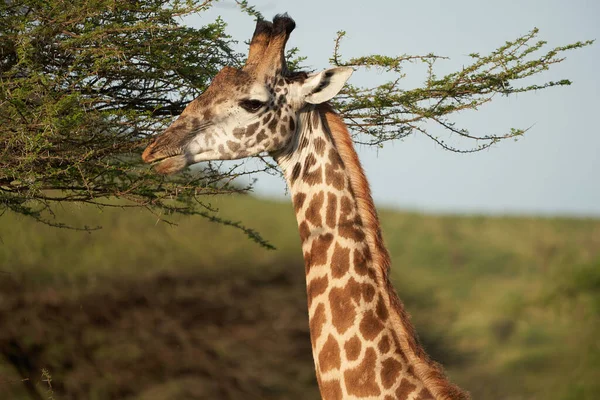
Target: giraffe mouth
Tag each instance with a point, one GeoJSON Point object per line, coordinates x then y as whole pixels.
{"type": "Point", "coordinates": [164, 161]}
{"type": "Point", "coordinates": [170, 164]}
{"type": "Point", "coordinates": [167, 165]}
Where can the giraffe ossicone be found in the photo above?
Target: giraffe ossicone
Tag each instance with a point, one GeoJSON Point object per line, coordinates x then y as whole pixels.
{"type": "Point", "coordinates": [364, 345]}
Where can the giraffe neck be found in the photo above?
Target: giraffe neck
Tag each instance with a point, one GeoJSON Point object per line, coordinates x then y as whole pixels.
{"type": "Point", "coordinates": [364, 345]}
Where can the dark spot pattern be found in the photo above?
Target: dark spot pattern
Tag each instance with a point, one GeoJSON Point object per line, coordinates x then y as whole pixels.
{"type": "Point", "coordinates": [331, 390]}
{"type": "Point", "coordinates": [368, 292]}
{"type": "Point", "coordinates": [334, 171]}
{"type": "Point", "coordinates": [316, 175]}
{"type": "Point", "coordinates": [404, 390]}
{"type": "Point", "coordinates": [384, 344]}
{"type": "Point", "coordinates": [381, 309]}
{"type": "Point", "coordinates": [335, 160]}
{"type": "Point", "coordinates": [354, 290]}
{"type": "Point", "coordinates": [316, 118]}
{"type": "Point", "coordinates": [295, 172]}
{"type": "Point", "coordinates": [361, 381]}
{"type": "Point", "coordinates": [272, 126]}
{"type": "Point", "coordinates": [342, 310]}
{"type": "Point", "coordinates": [390, 370]}
{"type": "Point", "coordinates": [425, 394]}
{"type": "Point", "coordinates": [319, 144]}
{"type": "Point", "coordinates": [329, 356]}
{"type": "Point", "coordinates": [304, 231]}
{"type": "Point", "coordinates": [239, 132]}
{"type": "Point", "coordinates": [348, 226]}
{"type": "Point", "coordinates": [352, 348]}
{"type": "Point", "coordinates": [251, 129]}
{"type": "Point", "coordinates": [318, 251]}
{"type": "Point", "coordinates": [340, 261]}
{"type": "Point", "coordinates": [304, 143]}
{"type": "Point", "coordinates": [316, 323]}
{"type": "Point", "coordinates": [370, 326]}
{"type": "Point", "coordinates": [360, 262]}
{"type": "Point", "coordinates": [313, 211]}
{"type": "Point", "coordinates": [333, 178]}
{"type": "Point", "coordinates": [233, 145]}
{"type": "Point", "coordinates": [331, 212]}
{"type": "Point", "coordinates": [316, 287]}
{"type": "Point", "coordinates": [260, 137]}
{"type": "Point", "coordinates": [299, 201]}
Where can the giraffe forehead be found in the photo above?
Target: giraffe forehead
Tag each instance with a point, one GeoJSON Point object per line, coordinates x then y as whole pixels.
{"type": "Point", "coordinates": [258, 91]}
{"type": "Point", "coordinates": [233, 77]}
{"type": "Point", "coordinates": [234, 81]}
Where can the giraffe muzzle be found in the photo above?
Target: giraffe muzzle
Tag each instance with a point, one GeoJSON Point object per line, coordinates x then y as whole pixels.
{"type": "Point", "coordinates": [165, 161]}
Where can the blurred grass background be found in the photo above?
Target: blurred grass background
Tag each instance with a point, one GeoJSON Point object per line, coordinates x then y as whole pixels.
{"type": "Point", "coordinates": [143, 310]}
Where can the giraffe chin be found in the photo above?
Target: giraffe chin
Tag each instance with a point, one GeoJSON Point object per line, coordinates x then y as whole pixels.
{"type": "Point", "coordinates": [171, 165]}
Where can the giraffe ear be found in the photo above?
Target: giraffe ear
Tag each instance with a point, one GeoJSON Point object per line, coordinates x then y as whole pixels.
{"type": "Point", "coordinates": [323, 86]}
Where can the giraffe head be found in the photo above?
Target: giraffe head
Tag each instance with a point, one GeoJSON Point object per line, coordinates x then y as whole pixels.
{"type": "Point", "coordinates": [247, 111]}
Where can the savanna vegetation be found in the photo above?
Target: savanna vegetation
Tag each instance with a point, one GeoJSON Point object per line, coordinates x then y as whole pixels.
{"type": "Point", "coordinates": [85, 84]}
{"type": "Point", "coordinates": [144, 310]}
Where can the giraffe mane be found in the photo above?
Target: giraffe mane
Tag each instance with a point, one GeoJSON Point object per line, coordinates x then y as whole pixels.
{"type": "Point", "coordinates": [430, 372]}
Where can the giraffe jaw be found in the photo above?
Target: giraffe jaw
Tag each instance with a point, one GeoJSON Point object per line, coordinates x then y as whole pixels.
{"type": "Point", "coordinates": [165, 161]}
{"type": "Point", "coordinates": [170, 165]}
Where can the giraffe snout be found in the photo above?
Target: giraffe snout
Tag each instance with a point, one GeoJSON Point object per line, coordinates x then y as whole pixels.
{"type": "Point", "coordinates": [148, 154]}
{"type": "Point", "coordinates": [162, 146]}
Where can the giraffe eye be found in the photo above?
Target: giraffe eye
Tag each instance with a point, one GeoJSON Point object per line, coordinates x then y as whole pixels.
{"type": "Point", "coordinates": [251, 105]}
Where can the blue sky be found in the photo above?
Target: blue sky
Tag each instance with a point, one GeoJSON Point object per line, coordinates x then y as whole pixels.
{"type": "Point", "coordinates": [553, 170]}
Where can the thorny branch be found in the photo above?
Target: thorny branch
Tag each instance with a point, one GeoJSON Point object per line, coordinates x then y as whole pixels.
{"type": "Point", "coordinates": [389, 112]}
{"type": "Point", "coordinates": [84, 86]}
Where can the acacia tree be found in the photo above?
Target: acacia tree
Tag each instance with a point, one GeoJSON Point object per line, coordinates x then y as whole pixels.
{"type": "Point", "coordinates": [85, 84]}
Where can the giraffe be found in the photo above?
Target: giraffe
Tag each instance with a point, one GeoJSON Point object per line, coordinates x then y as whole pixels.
{"type": "Point", "coordinates": [363, 343]}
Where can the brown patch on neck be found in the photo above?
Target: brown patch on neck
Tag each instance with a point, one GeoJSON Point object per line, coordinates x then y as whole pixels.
{"type": "Point", "coordinates": [429, 372]}
{"type": "Point", "coordinates": [361, 381]}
